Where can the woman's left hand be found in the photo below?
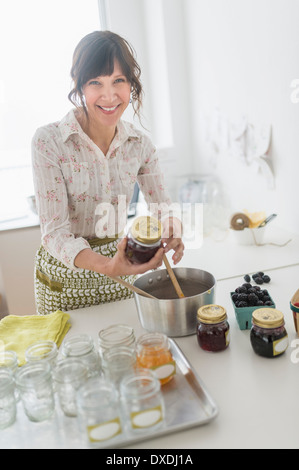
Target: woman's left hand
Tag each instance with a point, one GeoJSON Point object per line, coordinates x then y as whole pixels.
{"type": "Point", "coordinates": [172, 238]}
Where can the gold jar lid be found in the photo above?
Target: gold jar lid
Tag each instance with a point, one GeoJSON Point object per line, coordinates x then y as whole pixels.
{"type": "Point", "coordinates": [267, 318]}
{"type": "Point", "coordinates": [211, 314]}
{"type": "Point", "coordinates": [146, 229]}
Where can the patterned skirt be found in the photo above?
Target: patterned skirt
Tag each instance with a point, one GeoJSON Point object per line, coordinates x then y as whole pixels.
{"type": "Point", "coordinates": [60, 288]}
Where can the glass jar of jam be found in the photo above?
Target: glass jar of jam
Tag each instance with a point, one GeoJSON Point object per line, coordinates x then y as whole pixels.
{"type": "Point", "coordinates": [144, 239]}
{"type": "Point", "coordinates": [212, 328]}
{"type": "Point", "coordinates": [268, 335]}
{"type": "Point", "coordinates": [153, 352]}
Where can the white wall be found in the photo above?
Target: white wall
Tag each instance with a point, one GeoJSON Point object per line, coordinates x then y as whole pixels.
{"type": "Point", "coordinates": [155, 29]}
{"type": "Point", "coordinates": [243, 56]}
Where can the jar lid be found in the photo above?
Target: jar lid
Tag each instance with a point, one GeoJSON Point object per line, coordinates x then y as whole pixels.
{"type": "Point", "coordinates": [268, 318]}
{"type": "Point", "coordinates": [211, 313]}
{"type": "Point", "coordinates": [146, 229]}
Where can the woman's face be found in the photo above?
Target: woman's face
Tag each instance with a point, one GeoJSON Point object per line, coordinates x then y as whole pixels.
{"type": "Point", "coordinates": [107, 97]}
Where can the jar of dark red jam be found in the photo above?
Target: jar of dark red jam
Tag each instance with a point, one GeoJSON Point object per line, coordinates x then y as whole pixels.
{"type": "Point", "coordinates": [268, 335]}
{"type": "Point", "coordinates": [212, 328]}
{"type": "Point", "coordinates": [144, 239]}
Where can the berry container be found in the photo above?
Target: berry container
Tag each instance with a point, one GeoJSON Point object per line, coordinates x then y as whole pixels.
{"type": "Point", "coordinates": [244, 314]}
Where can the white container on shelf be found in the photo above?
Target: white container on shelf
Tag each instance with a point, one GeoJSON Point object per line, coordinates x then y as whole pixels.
{"type": "Point", "coordinates": [249, 236]}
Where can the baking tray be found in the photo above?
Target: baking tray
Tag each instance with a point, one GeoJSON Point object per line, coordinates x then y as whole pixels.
{"type": "Point", "coordinates": [187, 403]}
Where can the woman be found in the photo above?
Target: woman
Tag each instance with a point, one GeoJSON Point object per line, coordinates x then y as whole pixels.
{"type": "Point", "coordinates": [85, 168]}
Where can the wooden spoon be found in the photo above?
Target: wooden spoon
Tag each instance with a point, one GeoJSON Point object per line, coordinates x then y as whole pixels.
{"type": "Point", "coordinates": [131, 287]}
{"type": "Point", "coordinates": [173, 278]}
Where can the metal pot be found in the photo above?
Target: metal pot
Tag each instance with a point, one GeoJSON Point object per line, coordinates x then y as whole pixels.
{"type": "Point", "coordinates": [168, 314]}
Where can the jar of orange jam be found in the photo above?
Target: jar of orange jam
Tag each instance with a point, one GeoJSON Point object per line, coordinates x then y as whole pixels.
{"type": "Point", "coordinates": [153, 352]}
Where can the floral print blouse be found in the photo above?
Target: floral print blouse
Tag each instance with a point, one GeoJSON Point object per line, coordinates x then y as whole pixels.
{"type": "Point", "coordinates": [82, 193]}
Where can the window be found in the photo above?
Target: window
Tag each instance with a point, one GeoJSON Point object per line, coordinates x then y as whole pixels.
{"type": "Point", "coordinates": [37, 40]}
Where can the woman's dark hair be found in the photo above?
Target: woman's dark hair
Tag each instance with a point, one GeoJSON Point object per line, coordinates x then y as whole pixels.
{"type": "Point", "coordinates": [94, 56]}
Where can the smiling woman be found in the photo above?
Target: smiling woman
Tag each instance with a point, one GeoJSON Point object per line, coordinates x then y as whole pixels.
{"type": "Point", "coordinates": [91, 159]}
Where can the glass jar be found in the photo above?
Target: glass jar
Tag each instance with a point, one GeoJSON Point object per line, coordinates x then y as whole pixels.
{"type": "Point", "coordinates": [268, 335]}
{"type": "Point", "coordinates": [69, 375]}
{"type": "Point", "coordinates": [42, 350]}
{"type": "Point", "coordinates": [117, 362]}
{"type": "Point", "coordinates": [212, 328]}
{"type": "Point", "coordinates": [142, 401]}
{"type": "Point", "coordinates": [34, 381]}
{"type": "Point", "coordinates": [99, 412]}
{"type": "Point", "coordinates": [144, 239]}
{"type": "Point", "coordinates": [82, 347]}
{"type": "Point", "coordinates": [8, 408]}
{"type": "Point", "coordinates": [153, 352]}
{"type": "Point", "coordinates": [116, 335]}
{"type": "Point", "coordinates": [9, 359]}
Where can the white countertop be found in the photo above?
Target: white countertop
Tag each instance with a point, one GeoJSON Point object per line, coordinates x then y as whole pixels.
{"type": "Point", "coordinates": [257, 397]}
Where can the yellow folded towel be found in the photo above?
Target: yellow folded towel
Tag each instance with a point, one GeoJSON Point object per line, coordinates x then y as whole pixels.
{"type": "Point", "coordinates": [19, 332]}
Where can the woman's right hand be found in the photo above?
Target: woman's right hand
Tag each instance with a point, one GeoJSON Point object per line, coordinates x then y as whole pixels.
{"type": "Point", "coordinates": [120, 265]}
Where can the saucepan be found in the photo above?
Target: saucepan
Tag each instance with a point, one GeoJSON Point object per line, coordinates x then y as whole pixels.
{"type": "Point", "coordinates": [166, 313]}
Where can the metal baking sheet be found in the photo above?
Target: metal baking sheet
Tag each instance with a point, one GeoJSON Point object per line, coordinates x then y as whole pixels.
{"type": "Point", "coordinates": [187, 402]}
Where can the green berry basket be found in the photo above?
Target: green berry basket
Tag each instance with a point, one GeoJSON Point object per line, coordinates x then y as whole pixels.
{"type": "Point", "coordinates": [244, 314]}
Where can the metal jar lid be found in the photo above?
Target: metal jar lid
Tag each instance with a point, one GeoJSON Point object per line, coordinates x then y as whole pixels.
{"type": "Point", "coordinates": [146, 229]}
{"type": "Point", "coordinates": [211, 314]}
{"type": "Point", "coordinates": [267, 318]}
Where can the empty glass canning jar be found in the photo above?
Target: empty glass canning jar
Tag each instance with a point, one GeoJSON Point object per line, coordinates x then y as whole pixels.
{"type": "Point", "coordinates": [69, 375]}
{"type": "Point", "coordinates": [42, 350]}
{"type": "Point", "coordinates": [82, 347]}
{"type": "Point", "coordinates": [9, 359]}
{"type": "Point", "coordinates": [99, 412]}
{"type": "Point", "coordinates": [34, 381]}
{"type": "Point", "coordinates": [153, 352]}
{"type": "Point", "coordinates": [268, 335]}
{"type": "Point", "coordinates": [144, 239]}
{"type": "Point", "coordinates": [142, 401]}
{"type": "Point", "coordinates": [116, 335]}
{"type": "Point", "coordinates": [7, 398]}
{"type": "Point", "coordinates": [212, 328]}
{"type": "Point", "coordinates": [118, 362]}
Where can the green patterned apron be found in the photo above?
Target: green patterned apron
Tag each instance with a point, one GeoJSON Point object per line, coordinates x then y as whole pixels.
{"type": "Point", "coordinates": [60, 288]}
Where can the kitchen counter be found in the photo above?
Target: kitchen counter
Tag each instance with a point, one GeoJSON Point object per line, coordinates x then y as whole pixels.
{"type": "Point", "coordinates": [257, 397]}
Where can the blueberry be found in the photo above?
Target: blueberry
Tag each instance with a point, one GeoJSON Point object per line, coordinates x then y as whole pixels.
{"type": "Point", "coordinates": [242, 297]}
{"type": "Point", "coordinates": [247, 278]}
{"type": "Point", "coordinates": [242, 290]}
{"type": "Point", "coordinates": [259, 280]}
{"type": "Point", "coordinates": [266, 278]}
{"type": "Point", "coordinates": [252, 299]}
{"type": "Point", "coordinates": [242, 304]}
{"type": "Point", "coordinates": [247, 285]}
